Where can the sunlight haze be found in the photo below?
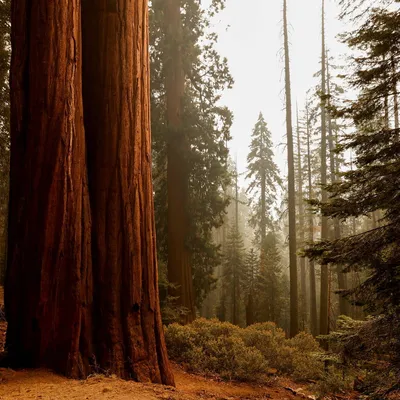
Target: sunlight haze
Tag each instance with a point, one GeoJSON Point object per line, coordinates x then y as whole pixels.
{"type": "Point", "coordinates": [251, 38]}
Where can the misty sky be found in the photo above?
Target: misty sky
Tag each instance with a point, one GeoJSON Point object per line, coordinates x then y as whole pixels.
{"type": "Point", "coordinates": [251, 38]}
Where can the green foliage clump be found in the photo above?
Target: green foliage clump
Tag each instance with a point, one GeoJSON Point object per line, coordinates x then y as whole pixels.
{"type": "Point", "coordinates": [370, 188]}
{"type": "Point", "coordinates": [332, 383]}
{"type": "Point", "coordinates": [214, 347]}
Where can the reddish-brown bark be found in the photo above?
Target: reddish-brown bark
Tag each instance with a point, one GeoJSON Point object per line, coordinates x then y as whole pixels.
{"type": "Point", "coordinates": [82, 295]}
{"type": "Point", "coordinates": [48, 290]}
{"type": "Point", "coordinates": [129, 339]}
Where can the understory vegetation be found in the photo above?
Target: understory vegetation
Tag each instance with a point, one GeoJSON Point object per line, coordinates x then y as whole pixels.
{"type": "Point", "coordinates": [248, 354]}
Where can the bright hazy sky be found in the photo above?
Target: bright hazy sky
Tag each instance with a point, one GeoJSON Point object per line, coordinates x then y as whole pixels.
{"type": "Point", "coordinates": [251, 38]}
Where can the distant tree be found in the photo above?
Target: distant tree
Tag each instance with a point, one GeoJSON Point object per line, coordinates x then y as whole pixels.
{"type": "Point", "coordinates": [264, 177]}
{"type": "Point", "coordinates": [301, 226]}
{"type": "Point", "coordinates": [250, 282]}
{"type": "Point", "coordinates": [324, 296]}
{"type": "Point", "coordinates": [334, 170]}
{"type": "Point", "coordinates": [312, 286]}
{"type": "Point", "coordinates": [234, 273]}
{"type": "Point", "coordinates": [269, 281]}
{"type": "Point", "coordinates": [294, 312]}
{"type": "Point", "coordinates": [179, 264]}
{"type": "Point", "coordinates": [204, 127]}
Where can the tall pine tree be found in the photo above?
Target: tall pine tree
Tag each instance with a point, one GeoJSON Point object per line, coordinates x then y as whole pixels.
{"type": "Point", "coordinates": [264, 178]}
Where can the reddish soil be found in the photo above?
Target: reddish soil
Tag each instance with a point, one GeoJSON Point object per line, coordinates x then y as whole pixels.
{"type": "Point", "coordinates": [44, 385]}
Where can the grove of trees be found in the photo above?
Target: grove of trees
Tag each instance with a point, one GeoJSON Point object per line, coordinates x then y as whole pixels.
{"type": "Point", "coordinates": [122, 208]}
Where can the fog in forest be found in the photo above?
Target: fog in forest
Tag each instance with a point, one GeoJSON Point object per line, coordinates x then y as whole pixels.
{"type": "Point", "coordinates": [251, 39]}
{"type": "Point", "coordinates": [199, 199]}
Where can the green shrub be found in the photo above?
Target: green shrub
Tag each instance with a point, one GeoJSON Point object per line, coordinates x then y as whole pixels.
{"type": "Point", "coordinates": [306, 357]}
{"type": "Point", "coordinates": [332, 383]}
{"type": "Point", "coordinates": [214, 347]}
{"type": "Point", "coordinates": [271, 344]}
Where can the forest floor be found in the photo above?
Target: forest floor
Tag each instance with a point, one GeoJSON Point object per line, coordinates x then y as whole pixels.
{"type": "Point", "coordinates": [45, 385]}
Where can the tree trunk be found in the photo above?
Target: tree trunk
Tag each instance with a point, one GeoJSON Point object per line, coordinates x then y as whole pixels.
{"type": "Point", "coordinates": [294, 312]}
{"type": "Point", "coordinates": [313, 289]}
{"type": "Point", "coordinates": [250, 309]}
{"type": "Point", "coordinates": [263, 195]}
{"type": "Point", "coordinates": [235, 286]}
{"type": "Point", "coordinates": [343, 304]}
{"type": "Point", "coordinates": [324, 306]}
{"type": "Point", "coordinates": [395, 96]}
{"type": "Point", "coordinates": [303, 297]}
{"type": "Point", "coordinates": [76, 313]}
{"type": "Point", "coordinates": [48, 290]}
{"type": "Point", "coordinates": [179, 257]}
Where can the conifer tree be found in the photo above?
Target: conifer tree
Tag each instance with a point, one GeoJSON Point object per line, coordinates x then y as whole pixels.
{"type": "Point", "coordinates": [312, 286]}
{"type": "Point", "coordinates": [234, 273]}
{"type": "Point", "coordinates": [324, 297]}
{"type": "Point", "coordinates": [372, 185]}
{"type": "Point", "coordinates": [269, 286]}
{"type": "Point", "coordinates": [333, 161]}
{"type": "Point", "coordinates": [301, 227]}
{"type": "Point", "coordinates": [264, 178]}
{"type": "Point", "coordinates": [375, 71]}
{"type": "Point", "coordinates": [251, 273]}
{"type": "Point", "coordinates": [205, 126]}
{"type": "Point", "coordinates": [294, 312]}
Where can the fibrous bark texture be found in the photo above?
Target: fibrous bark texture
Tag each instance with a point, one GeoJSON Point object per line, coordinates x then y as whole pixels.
{"type": "Point", "coordinates": [82, 290]}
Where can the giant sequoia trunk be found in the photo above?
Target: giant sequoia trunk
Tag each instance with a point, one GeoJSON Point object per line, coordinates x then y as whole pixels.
{"type": "Point", "coordinates": [89, 294]}
{"type": "Point", "coordinates": [179, 257]}
{"type": "Point", "coordinates": [48, 285]}
{"type": "Point", "coordinates": [127, 318]}
{"type": "Point", "coordinates": [294, 312]}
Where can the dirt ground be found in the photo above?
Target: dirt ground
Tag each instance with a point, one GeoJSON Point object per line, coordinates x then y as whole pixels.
{"type": "Point", "coordinates": [44, 385]}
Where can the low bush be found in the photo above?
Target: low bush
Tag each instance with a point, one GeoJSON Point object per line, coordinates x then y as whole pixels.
{"type": "Point", "coordinates": [214, 347]}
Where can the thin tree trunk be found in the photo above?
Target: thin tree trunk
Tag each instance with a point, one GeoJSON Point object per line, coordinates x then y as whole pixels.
{"type": "Point", "coordinates": [235, 316]}
{"type": "Point", "coordinates": [313, 289]}
{"type": "Point", "coordinates": [294, 311]}
{"type": "Point", "coordinates": [386, 108]}
{"type": "Point", "coordinates": [179, 257]}
{"type": "Point", "coordinates": [333, 170]}
{"type": "Point", "coordinates": [324, 300]}
{"type": "Point", "coordinates": [303, 297]}
{"type": "Point", "coordinates": [263, 207]}
{"type": "Point", "coordinates": [395, 96]}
